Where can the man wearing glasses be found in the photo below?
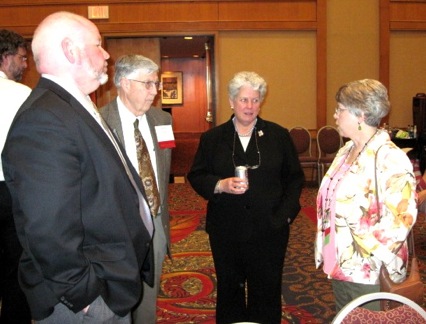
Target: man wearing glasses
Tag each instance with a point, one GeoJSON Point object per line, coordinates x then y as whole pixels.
{"type": "Point", "coordinates": [13, 63]}
{"type": "Point", "coordinates": [132, 113]}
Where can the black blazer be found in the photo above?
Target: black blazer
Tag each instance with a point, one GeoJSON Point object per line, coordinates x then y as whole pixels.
{"type": "Point", "coordinates": [76, 212]}
{"type": "Point", "coordinates": [274, 187]}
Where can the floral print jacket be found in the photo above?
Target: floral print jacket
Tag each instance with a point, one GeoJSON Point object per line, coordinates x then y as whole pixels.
{"type": "Point", "coordinates": [366, 238]}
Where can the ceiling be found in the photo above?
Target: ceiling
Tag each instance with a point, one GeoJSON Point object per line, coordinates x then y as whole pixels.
{"type": "Point", "coordinates": [178, 47]}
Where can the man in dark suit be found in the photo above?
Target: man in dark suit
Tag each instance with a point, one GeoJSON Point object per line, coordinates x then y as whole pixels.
{"type": "Point", "coordinates": [85, 230]}
{"type": "Point", "coordinates": [136, 79]}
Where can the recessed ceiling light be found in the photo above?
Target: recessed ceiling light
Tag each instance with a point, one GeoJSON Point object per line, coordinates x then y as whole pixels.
{"type": "Point", "coordinates": [188, 37]}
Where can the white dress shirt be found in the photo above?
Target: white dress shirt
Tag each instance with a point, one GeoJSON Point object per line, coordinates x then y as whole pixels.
{"type": "Point", "coordinates": [12, 95]}
{"type": "Point", "coordinates": [127, 120]}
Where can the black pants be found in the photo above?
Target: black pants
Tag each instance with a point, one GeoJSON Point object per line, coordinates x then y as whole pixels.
{"type": "Point", "coordinates": [256, 266]}
{"type": "Point", "coordinates": [14, 307]}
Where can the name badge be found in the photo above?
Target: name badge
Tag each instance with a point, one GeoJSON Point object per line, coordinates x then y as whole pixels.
{"type": "Point", "coordinates": [165, 136]}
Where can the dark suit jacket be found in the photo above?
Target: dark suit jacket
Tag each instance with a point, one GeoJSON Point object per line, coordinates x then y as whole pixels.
{"type": "Point", "coordinates": [155, 117]}
{"type": "Point", "coordinates": [76, 212]}
{"type": "Point", "coordinates": [274, 187]}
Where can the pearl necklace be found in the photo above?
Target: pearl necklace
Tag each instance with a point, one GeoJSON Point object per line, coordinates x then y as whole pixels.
{"type": "Point", "coordinates": [245, 134]}
{"type": "Point", "coordinates": [334, 182]}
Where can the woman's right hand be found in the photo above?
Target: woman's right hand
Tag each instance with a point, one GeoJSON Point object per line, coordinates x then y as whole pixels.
{"type": "Point", "coordinates": [233, 185]}
{"type": "Point", "coordinates": [421, 197]}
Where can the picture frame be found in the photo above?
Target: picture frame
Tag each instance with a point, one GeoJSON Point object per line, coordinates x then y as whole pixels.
{"type": "Point", "coordinates": [172, 90]}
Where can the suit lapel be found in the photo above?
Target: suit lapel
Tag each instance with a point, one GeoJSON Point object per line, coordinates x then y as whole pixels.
{"type": "Point", "coordinates": [250, 155]}
{"type": "Point", "coordinates": [159, 153]}
{"type": "Point", "coordinates": [85, 116]}
{"type": "Point", "coordinates": [112, 116]}
{"type": "Point", "coordinates": [228, 133]}
{"type": "Point", "coordinates": [78, 109]}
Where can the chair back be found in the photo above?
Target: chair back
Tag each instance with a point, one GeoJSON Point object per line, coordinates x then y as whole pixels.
{"type": "Point", "coordinates": [329, 141]}
{"type": "Point", "coordinates": [303, 143]}
{"type": "Point", "coordinates": [409, 312]}
{"type": "Point", "coordinates": [302, 140]}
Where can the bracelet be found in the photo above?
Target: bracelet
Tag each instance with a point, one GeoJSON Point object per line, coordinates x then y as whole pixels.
{"type": "Point", "coordinates": [217, 187]}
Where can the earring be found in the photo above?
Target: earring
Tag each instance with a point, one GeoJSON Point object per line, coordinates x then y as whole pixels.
{"type": "Point", "coordinates": [359, 126]}
{"type": "Point", "coordinates": [232, 107]}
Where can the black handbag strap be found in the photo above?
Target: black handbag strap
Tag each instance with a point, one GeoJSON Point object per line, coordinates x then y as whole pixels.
{"type": "Point", "coordinates": [410, 237]}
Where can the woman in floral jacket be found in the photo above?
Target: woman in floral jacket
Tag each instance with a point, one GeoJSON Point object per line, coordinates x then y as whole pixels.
{"type": "Point", "coordinates": [356, 234]}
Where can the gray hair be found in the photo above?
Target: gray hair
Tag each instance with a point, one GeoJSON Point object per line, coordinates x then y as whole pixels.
{"type": "Point", "coordinates": [244, 78]}
{"type": "Point", "coordinates": [129, 65]}
{"type": "Point", "coordinates": [366, 96]}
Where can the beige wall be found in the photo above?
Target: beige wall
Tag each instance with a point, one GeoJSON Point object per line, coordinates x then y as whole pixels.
{"type": "Point", "coordinates": [352, 45]}
{"type": "Point", "coordinates": [407, 74]}
{"type": "Point", "coordinates": [286, 60]}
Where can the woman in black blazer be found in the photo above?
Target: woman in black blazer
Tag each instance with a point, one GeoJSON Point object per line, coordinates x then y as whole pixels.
{"type": "Point", "coordinates": [248, 222]}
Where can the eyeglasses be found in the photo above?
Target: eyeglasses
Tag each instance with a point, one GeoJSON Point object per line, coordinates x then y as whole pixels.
{"type": "Point", "coordinates": [257, 148]}
{"type": "Point", "coordinates": [149, 84]}
{"type": "Point", "coordinates": [23, 57]}
{"type": "Point", "coordinates": [338, 110]}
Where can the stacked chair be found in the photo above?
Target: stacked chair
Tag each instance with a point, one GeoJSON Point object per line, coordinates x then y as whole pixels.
{"type": "Point", "coordinates": [303, 142]}
{"type": "Point", "coordinates": [408, 312]}
{"type": "Point", "coordinates": [329, 142]}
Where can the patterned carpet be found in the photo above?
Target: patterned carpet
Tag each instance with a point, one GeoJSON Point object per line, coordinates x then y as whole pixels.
{"type": "Point", "coordinates": [188, 284]}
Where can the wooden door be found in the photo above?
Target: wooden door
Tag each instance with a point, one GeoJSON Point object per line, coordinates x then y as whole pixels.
{"type": "Point", "coordinates": [146, 46]}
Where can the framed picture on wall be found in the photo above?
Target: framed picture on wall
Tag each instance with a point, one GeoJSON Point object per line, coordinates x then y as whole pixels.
{"type": "Point", "coordinates": [172, 91]}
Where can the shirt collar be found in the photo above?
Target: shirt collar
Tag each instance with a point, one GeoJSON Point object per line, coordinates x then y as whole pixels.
{"type": "Point", "coordinates": [72, 89]}
{"type": "Point", "coordinates": [3, 75]}
{"type": "Point", "coordinates": [126, 115]}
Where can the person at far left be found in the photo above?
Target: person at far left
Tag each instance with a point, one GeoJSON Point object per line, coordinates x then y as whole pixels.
{"type": "Point", "coordinates": [13, 63]}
